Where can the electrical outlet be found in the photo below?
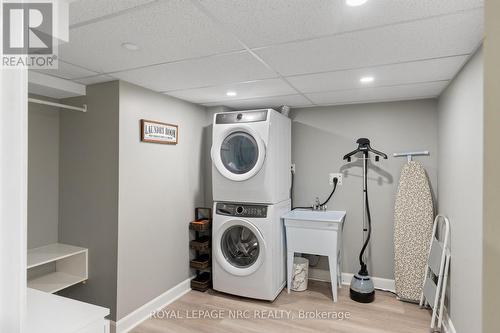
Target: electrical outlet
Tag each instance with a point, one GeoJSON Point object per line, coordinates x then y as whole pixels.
{"type": "Point", "coordinates": [335, 175]}
{"type": "Point", "coordinates": [293, 168]}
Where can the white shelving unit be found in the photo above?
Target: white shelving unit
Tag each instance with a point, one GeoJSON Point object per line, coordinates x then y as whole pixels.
{"type": "Point", "coordinates": [48, 313]}
{"type": "Point", "coordinates": [71, 266]}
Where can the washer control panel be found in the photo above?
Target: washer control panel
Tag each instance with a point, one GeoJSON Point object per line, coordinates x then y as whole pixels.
{"type": "Point", "coordinates": [241, 210]}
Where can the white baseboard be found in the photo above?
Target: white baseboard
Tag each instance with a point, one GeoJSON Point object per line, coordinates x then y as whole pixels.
{"type": "Point", "coordinates": [133, 319]}
{"type": "Point", "coordinates": [324, 275]}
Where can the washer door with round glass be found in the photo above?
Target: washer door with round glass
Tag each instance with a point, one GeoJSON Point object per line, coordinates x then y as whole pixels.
{"type": "Point", "coordinates": [240, 247]}
{"type": "Point", "coordinates": [239, 155]}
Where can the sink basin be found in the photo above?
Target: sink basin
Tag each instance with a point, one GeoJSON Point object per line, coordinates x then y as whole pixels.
{"type": "Point", "coordinates": [315, 232]}
{"type": "Point", "coordinates": [315, 215]}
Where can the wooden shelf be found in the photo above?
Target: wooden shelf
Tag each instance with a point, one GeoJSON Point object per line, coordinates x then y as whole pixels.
{"type": "Point", "coordinates": [202, 282]}
{"type": "Point", "coordinates": [201, 244]}
{"type": "Point", "coordinates": [200, 225]}
{"type": "Point", "coordinates": [70, 263]}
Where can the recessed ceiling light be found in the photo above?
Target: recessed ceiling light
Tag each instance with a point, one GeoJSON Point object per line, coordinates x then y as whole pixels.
{"type": "Point", "coordinates": [367, 79]}
{"type": "Point", "coordinates": [355, 3]}
{"type": "Point", "coordinates": [231, 93]}
{"type": "Point", "coordinates": [130, 46]}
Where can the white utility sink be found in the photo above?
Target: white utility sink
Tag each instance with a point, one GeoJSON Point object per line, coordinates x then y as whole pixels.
{"type": "Point", "coordinates": [315, 215]}
{"type": "Point", "coordinates": [315, 232]}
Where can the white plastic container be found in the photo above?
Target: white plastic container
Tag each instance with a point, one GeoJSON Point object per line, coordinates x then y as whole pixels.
{"type": "Point", "coordinates": [300, 274]}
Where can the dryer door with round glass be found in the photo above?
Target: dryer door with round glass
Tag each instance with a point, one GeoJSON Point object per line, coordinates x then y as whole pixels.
{"type": "Point", "coordinates": [238, 152]}
{"type": "Point", "coordinates": [239, 155]}
{"type": "Point", "coordinates": [240, 247]}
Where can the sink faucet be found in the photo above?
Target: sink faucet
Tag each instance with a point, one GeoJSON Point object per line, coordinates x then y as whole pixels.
{"type": "Point", "coordinates": [317, 205]}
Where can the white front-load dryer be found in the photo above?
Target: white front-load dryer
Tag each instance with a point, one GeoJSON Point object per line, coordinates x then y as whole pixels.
{"type": "Point", "coordinates": [249, 249]}
{"type": "Point", "coordinates": [251, 156]}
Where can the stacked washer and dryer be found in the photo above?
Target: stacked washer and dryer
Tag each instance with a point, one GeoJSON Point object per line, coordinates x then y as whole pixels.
{"type": "Point", "coordinates": [251, 158]}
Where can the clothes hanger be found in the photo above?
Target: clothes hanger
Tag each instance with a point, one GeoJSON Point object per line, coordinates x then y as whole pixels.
{"type": "Point", "coordinates": [364, 147]}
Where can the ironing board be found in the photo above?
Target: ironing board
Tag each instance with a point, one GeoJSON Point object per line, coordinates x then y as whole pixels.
{"type": "Point", "coordinates": [413, 221]}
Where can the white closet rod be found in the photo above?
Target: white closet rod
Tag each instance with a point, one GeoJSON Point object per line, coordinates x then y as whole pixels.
{"type": "Point", "coordinates": [59, 105]}
{"type": "Point", "coordinates": [410, 154]}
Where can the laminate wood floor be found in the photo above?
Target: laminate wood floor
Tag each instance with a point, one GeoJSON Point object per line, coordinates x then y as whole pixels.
{"type": "Point", "coordinates": [217, 312]}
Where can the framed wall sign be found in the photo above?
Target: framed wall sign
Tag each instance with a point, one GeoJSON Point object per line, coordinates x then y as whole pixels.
{"type": "Point", "coordinates": [156, 132]}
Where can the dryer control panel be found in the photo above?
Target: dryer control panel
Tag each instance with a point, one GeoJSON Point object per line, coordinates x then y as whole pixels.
{"type": "Point", "coordinates": [241, 210]}
{"type": "Point", "coordinates": [241, 117]}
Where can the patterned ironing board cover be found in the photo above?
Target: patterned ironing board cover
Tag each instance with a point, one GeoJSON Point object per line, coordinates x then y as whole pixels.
{"type": "Point", "coordinates": [413, 218]}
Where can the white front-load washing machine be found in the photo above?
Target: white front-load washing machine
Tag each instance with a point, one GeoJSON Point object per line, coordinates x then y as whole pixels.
{"type": "Point", "coordinates": [251, 156]}
{"type": "Point", "coordinates": [249, 249]}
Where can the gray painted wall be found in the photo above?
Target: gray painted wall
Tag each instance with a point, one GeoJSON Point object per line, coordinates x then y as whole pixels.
{"type": "Point", "coordinates": [88, 201]}
{"type": "Point", "coordinates": [43, 174]}
{"type": "Point", "coordinates": [491, 177]}
{"type": "Point", "coordinates": [460, 189]}
{"type": "Point", "coordinates": [160, 185]}
{"type": "Point", "coordinates": [320, 138]}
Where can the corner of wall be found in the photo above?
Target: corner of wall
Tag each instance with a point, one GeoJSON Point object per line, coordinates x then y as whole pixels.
{"type": "Point", "coordinates": [491, 208]}
{"type": "Point", "coordinates": [88, 187]}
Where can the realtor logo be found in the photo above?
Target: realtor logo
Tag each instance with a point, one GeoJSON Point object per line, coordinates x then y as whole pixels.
{"type": "Point", "coordinates": [28, 35]}
{"type": "Point", "coordinates": [27, 28]}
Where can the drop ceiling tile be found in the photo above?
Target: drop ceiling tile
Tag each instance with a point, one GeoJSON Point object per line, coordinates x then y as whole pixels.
{"type": "Point", "coordinates": [265, 22]}
{"type": "Point", "coordinates": [379, 94]}
{"type": "Point", "coordinates": [67, 71]}
{"type": "Point", "coordinates": [438, 37]}
{"type": "Point", "coordinates": [244, 90]}
{"type": "Point", "coordinates": [87, 10]}
{"type": "Point", "coordinates": [95, 79]}
{"type": "Point", "coordinates": [390, 75]}
{"type": "Point", "coordinates": [165, 31]}
{"type": "Point", "coordinates": [208, 71]}
{"type": "Point", "coordinates": [266, 102]}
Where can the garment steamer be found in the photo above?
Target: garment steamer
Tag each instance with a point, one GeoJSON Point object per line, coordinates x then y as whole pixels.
{"type": "Point", "coordinates": [362, 289]}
